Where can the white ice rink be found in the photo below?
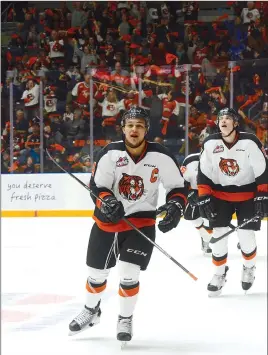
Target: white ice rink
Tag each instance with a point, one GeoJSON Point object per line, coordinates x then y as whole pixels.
{"type": "Point", "coordinates": [43, 283]}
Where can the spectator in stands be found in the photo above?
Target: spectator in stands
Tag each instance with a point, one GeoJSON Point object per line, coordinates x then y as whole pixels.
{"type": "Point", "coordinates": [115, 35]}
{"type": "Point", "coordinates": [5, 162]}
{"type": "Point", "coordinates": [259, 127]}
{"type": "Point", "coordinates": [30, 97]}
{"type": "Point", "coordinates": [30, 168]}
{"type": "Point", "coordinates": [79, 16]}
{"type": "Point", "coordinates": [124, 27]}
{"type": "Point", "coordinates": [82, 93]}
{"type": "Point", "coordinates": [197, 120]}
{"type": "Point", "coordinates": [56, 48]}
{"type": "Point", "coordinates": [68, 114]}
{"type": "Point", "coordinates": [75, 128]}
{"type": "Point", "coordinates": [119, 75]}
{"type": "Point", "coordinates": [250, 13]}
{"type": "Point", "coordinates": [33, 140]}
{"type": "Point", "coordinates": [20, 123]}
{"type": "Point", "coordinates": [88, 59]}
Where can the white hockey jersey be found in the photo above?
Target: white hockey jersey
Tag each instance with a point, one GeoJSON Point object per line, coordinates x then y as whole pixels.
{"type": "Point", "coordinates": [31, 97]}
{"type": "Point", "coordinates": [189, 169]}
{"type": "Point", "coordinates": [232, 172]}
{"type": "Point", "coordinates": [110, 109]}
{"type": "Point", "coordinates": [50, 103]}
{"type": "Point", "coordinates": [135, 183]}
{"type": "Point", "coordinates": [54, 49]}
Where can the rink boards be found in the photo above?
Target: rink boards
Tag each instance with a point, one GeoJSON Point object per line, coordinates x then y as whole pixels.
{"type": "Point", "coordinates": [48, 195]}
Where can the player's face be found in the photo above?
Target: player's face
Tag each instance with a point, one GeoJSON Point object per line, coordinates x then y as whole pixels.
{"type": "Point", "coordinates": [135, 131]}
{"type": "Point", "coordinates": [226, 124]}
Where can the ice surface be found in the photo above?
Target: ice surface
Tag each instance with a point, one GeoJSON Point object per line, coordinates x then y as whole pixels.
{"type": "Point", "coordinates": [43, 283]}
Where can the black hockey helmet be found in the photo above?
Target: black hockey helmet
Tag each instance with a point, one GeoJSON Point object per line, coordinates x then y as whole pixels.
{"type": "Point", "coordinates": [136, 112]}
{"type": "Point", "coordinates": [228, 112]}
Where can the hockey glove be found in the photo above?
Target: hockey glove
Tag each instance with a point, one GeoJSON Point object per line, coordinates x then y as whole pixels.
{"type": "Point", "coordinates": [261, 204]}
{"type": "Point", "coordinates": [112, 209]}
{"type": "Point", "coordinates": [207, 207]}
{"type": "Point", "coordinates": [192, 198]}
{"type": "Point", "coordinates": [174, 211]}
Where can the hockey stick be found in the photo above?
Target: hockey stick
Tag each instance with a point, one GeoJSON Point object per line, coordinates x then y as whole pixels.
{"type": "Point", "coordinates": [215, 240]}
{"type": "Point", "coordinates": [125, 219]}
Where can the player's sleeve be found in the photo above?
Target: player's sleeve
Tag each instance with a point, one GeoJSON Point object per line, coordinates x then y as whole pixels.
{"type": "Point", "coordinates": [259, 163]}
{"type": "Point", "coordinates": [204, 176]}
{"type": "Point", "coordinates": [75, 90]}
{"type": "Point", "coordinates": [121, 105]}
{"type": "Point", "coordinates": [176, 110]}
{"type": "Point", "coordinates": [186, 171]}
{"type": "Point", "coordinates": [24, 95]}
{"type": "Point", "coordinates": [102, 177]}
{"type": "Point", "coordinates": [173, 181]}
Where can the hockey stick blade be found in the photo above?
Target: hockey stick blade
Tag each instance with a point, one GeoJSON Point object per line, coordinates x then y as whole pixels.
{"type": "Point", "coordinates": [215, 240]}
{"type": "Point", "coordinates": [125, 219]}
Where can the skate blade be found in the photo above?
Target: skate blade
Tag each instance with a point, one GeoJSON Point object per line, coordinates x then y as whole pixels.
{"type": "Point", "coordinates": [123, 344]}
{"type": "Point", "coordinates": [214, 293]}
{"type": "Point", "coordinates": [86, 328]}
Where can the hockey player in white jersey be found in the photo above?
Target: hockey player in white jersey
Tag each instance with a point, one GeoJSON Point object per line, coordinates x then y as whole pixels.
{"type": "Point", "coordinates": [232, 178]}
{"type": "Point", "coordinates": [189, 171]}
{"type": "Point", "coordinates": [126, 176]}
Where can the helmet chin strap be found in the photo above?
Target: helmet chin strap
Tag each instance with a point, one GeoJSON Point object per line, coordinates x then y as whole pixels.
{"type": "Point", "coordinates": [234, 129]}
{"type": "Point", "coordinates": [228, 133]}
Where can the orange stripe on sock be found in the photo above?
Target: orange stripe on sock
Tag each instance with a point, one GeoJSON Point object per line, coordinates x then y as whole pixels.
{"type": "Point", "coordinates": [249, 257]}
{"type": "Point", "coordinates": [128, 293]}
{"type": "Point", "coordinates": [92, 289]}
{"type": "Point", "coordinates": [220, 262]}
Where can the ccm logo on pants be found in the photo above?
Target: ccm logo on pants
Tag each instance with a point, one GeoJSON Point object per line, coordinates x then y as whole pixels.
{"type": "Point", "coordinates": [136, 252]}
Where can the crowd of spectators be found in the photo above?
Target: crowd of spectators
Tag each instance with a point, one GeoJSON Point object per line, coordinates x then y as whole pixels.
{"type": "Point", "coordinates": [158, 54]}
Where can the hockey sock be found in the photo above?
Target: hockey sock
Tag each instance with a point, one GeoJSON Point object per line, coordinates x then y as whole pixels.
{"type": "Point", "coordinates": [219, 263]}
{"type": "Point", "coordinates": [128, 295]}
{"type": "Point", "coordinates": [248, 246]}
{"type": "Point", "coordinates": [220, 250]}
{"type": "Point", "coordinates": [197, 223]}
{"type": "Point", "coordinates": [93, 293]}
{"type": "Point", "coordinates": [249, 258]}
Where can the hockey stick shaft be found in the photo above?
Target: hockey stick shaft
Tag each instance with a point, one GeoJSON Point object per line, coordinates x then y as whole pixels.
{"type": "Point", "coordinates": [215, 240]}
{"type": "Point", "coordinates": [125, 219]}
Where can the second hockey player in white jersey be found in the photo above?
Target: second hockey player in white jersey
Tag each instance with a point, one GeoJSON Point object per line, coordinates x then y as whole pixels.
{"type": "Point", "coordinates": [127, 177]}
{"type": "Point", "coordinates": [232, 178]}
{"type": "Point", "coordinates": [189, 170]}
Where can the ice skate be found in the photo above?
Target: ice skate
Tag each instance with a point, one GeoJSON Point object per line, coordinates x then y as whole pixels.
{"type": "Point", "coordinates": [205, 247]}
{"type": "Point", "coordinates": [216, 284]}
{"type": "Point", "coordinates": [87, 318]}
{"type": "Point", "coordinates": [248, 277]}
{"type": "Point", "coordinates": [124, 330]}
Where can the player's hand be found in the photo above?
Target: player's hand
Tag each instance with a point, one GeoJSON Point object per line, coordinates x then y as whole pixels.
{"type": "Point", "coordinates": [207, 208]}
{"type": "Point", "coordinates": [261, 204]}
{"type": "Point", "coordinates": [174, 211]}
{"type": "Point", "coordinates": [112, 209]}
{"type": "Point", "coordinates": [192, 198]}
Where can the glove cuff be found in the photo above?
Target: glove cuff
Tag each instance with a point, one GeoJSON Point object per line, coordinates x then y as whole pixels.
{"type": "Point", "coordinates": [202, 200]}
{"type": "Point", "coordinates": [103, 195]}
{"type": "Point", "coordinates": [179, 203]}
{"type": "Point", "coordinates": [261, 197]}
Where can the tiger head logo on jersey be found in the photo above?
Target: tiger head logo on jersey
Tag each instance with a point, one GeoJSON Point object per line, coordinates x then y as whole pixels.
{"type": "Point", "coordinates": [229, 167]}
{"type": "Point", "coordinates": [131, 187]}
